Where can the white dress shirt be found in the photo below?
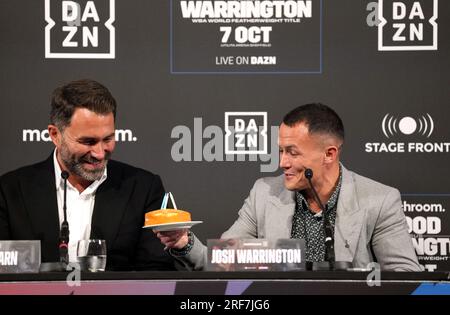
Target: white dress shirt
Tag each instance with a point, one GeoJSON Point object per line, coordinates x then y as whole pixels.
{"type": "Point", "coordinates": [79, 208]}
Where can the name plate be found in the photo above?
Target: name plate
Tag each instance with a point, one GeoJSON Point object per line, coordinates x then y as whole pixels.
{"type": "Point", "coordinates": [20, 256]}
{"type": "Point", "coordinates": [255, 255]}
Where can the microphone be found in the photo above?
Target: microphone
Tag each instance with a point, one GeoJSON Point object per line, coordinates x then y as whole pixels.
{"type": "Point", "coordinates": [329, 240]}
{"type": "Point", "coordinates": [64, 233]}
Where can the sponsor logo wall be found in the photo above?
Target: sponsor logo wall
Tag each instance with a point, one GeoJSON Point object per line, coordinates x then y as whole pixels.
{"type": "Point", "coordinates": [203, 85]}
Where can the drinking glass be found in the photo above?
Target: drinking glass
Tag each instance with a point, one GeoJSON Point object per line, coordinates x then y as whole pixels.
{"type": "Point", "coordinates": [91, 255]}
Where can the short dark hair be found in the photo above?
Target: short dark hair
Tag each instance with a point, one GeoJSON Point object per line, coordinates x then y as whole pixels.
{"type": "Point", "coordinates": [319, 118]}
{"type": "Point", "coordinates": [84, 93]}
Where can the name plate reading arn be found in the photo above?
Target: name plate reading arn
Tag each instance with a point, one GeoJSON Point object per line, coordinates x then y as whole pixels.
{"type": "Point", "coordinates": [20, 256]}
{"type": "Point", "coordinates": [255, 255]}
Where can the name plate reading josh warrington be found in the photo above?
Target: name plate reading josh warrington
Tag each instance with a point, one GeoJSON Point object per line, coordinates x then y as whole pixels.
{"type": "Point", "coordinates": [20, 256]}
{"type": "Point", "coordinates": [255, 255]}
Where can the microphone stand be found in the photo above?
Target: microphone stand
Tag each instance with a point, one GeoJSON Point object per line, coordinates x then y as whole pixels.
{"type": "Point", "coordinates": [63, 246]}
{"type": "Point", "coordinates": [330, 260]}
{"type": "Point", "coordinates": [64, 236]}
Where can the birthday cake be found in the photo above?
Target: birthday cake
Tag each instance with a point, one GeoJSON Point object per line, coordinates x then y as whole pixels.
{"type": "Point", "coordinates": [165, 216]}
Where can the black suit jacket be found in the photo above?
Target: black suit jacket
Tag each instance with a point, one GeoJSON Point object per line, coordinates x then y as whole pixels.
{"type": "Point", "coordinates": [29, 211]}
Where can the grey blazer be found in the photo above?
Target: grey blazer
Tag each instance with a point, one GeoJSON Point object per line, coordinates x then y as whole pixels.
{"type": "Point", "coordinates": [370, 223]}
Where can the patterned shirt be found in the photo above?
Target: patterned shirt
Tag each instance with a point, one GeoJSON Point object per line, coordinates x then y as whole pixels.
{"type": "Point", "coordinates": [308, 225]}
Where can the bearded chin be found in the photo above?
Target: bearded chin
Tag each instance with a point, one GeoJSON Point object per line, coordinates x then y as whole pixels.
{"type": "Point", "coordinates": [89, 175]}
{"type": "Point", "coordinates": [75, 166]}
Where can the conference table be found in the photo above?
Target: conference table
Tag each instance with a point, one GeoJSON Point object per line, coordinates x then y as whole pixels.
{"type": "Point", "coordinates": [226, 283]}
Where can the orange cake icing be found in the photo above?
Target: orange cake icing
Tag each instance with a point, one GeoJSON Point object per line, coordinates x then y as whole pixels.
{"type": "Point", "coordinates": [166, 216]}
